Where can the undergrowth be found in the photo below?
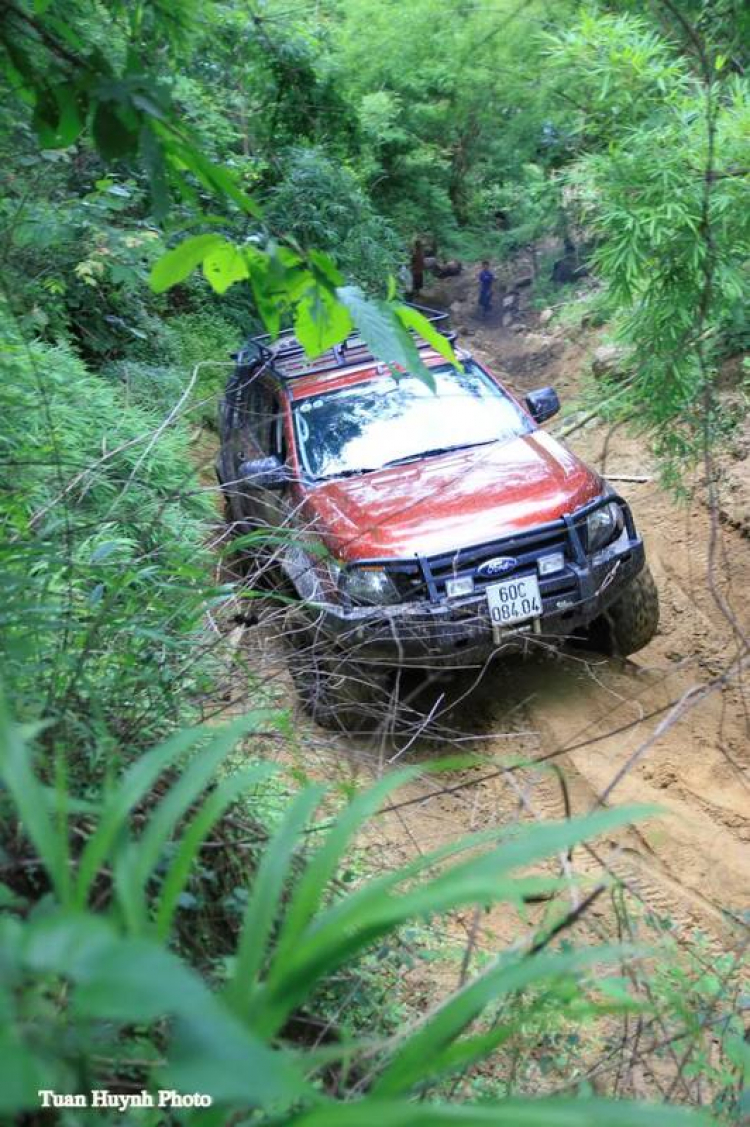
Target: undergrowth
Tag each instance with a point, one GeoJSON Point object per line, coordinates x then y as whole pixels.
{"type": "Point", "coordinates": [104, 573]}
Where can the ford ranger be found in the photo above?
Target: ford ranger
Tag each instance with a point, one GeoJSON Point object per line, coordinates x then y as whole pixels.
{"type": "Point", "coordinates": [425, 526]}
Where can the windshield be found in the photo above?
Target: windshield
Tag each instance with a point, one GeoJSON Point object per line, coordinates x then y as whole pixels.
{"type": "Point", "coordinates": [374, 424]}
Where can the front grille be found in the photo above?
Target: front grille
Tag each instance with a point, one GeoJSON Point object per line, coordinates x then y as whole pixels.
{"type": "Point", "coordinates": [414, 579]}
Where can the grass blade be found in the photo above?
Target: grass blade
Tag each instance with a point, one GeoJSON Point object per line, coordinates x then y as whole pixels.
{"type": "Point", "coordinates": [48, 835]}
{"type": "Point", "coordinates": [321, 868]}
{"type": "Point", "coordinates": [442, 1029]}
{"type": "Point", "coordinates": [344, 930]}
{"type": "Point", "coordinates": [136, 782]}
{"type": "Point", "coordinates": [220, 798]}
{"type": "Point", "coordinates": [138, 863]}
{"type": "Point", "coordinates": [262, 910]}
{"type": "Point", "coordinates": [509, 1113]}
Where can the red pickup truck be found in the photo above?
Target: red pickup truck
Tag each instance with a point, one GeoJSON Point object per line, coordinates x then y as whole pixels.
{"type": "Point", "coordinates": [423, 526]}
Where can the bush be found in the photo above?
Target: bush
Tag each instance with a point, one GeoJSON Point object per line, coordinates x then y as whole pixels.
{"type": "Point", "coordinates": [103, 568]}
{"type": "Point", "coordinates": [322, 205]}
{"type": "Point", "coordinates": [188, 340]}
{"type": "Point", "coordinates": [100, 1000]}
{"type": "Point", "coordinates": [674, 287]}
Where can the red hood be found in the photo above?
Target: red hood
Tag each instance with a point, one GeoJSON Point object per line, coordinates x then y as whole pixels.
{"type": "Point", "coordinates": [453, 500]}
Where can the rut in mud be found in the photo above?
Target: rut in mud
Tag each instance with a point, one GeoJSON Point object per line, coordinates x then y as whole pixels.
{"type": "Point", "coordinates": [660, 728]}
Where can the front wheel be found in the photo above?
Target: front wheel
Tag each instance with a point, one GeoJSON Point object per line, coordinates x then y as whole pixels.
{"type": "Point", "coordinates": [338, 693]}
{"type": "Point", "coordinates": [633, 619]}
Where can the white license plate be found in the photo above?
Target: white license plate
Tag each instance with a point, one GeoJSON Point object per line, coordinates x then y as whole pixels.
{"type": "Point", "coordinates": [514, 600]}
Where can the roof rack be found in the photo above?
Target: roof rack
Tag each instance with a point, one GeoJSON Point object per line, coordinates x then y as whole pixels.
{"type": "Point", "coordinates": [288, 359]}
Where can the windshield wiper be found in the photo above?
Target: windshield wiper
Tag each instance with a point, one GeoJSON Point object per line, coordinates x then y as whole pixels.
{"type": "Point", "coordinates": [438, 450]}
{"type": "Point", "coordinates": [347, 473]}
{"type": "Point", "coordinates": [406, 458]}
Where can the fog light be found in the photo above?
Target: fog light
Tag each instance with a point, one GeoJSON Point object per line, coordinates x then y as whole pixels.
{"type": "Point", "coordinates": [455, 588]}
{"type": "Point", "coordinates": [552, 563]}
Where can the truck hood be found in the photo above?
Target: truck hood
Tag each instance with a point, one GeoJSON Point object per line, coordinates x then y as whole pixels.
{"type": "Point", "coordinates": [452, 500]}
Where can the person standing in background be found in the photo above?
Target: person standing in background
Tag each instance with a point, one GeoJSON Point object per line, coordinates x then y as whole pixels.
{"type": "Point", "coordinates": [417, 267]}
{"type": "Point", "coordinates": [486, 280]}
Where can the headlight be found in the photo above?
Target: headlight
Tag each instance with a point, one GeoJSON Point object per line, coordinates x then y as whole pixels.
{"type": "Point", "coordinates": [603, 525]}
{"type": "Point", "coordinates": [368, 585]}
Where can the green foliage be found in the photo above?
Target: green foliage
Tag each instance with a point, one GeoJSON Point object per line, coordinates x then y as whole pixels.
{"type": "Point", "coordinates": [75, 981]}
{"type": "Point", "coordinates": [673, 233]}
{"type": "Point", "coordinates": [617, 72]}
{"type": "Point", "coordinates": [452, 105]}
{"type": "Point", "coordinates": [531, 206]}
{"type": "Point", "coordinates": [132, 118]}
{"type": "Point", "coordinates": [97, 74]}
{"type": "Point", "coordinates": [267, 168]}
{"type": "Point", "coordinates": [321, 205]}
{"type": "Point", "coordinates": [76, 262]}
{"type": "Point", "coordinates": [702, 999]}
{"type": "Point", "coordinates": [103, 570]}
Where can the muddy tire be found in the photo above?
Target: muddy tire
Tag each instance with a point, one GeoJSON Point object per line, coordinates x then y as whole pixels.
{"type": "Point", "coordinates": [634, 618]}
{"type": "Point", "coordinates": [336, 692]}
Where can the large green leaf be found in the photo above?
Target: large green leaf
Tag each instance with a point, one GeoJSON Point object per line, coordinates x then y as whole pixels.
{"type": "Point", "coordinates": [268, 296]}
{"type": "Point", "coordinates": [320, 321]}
{"type": "Point", "coordinates": [65, 942]}
{"type": "Point", "coordinates": [213, 1052]}
{"type": "Point", "coordinates": [136, 980]}
{"type": "Point", "coordinates": [21, 1073]}
{"type": "Point", "coordinates": [223, 266]}
{"type": "Point", "coordinates": [411, 318]}
{"type": "Point", "coordinates": [324, 266]}
{"type": "Point", "coordinates": [177, 264]}
{"type": "Point", "coordinates": [139, 981]}
{"type": "Point", "coordinates": [381, 329]}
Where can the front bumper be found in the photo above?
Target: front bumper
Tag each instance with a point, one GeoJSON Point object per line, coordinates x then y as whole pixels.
{"type": "Point", "coordinates": [457, 633]}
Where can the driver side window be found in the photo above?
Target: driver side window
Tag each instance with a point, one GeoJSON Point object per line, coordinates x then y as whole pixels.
{"type": "Point", "coordinates": [264, 423]}
{"type": "Point", "coordinates": [257, 419]}
{"type": "Point", "coordinates": [277, 432]}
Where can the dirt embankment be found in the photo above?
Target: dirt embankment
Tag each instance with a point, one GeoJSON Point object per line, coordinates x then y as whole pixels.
{"type": "Point", "coordinates": [662, 727]}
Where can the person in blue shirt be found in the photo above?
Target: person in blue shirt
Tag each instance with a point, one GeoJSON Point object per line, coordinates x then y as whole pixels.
{"type": "Point", "coordinates": [486, 279]}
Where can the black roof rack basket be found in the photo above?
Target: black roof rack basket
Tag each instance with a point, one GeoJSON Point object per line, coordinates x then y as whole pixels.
{"type": "Point", "coordinates": [289, 360]}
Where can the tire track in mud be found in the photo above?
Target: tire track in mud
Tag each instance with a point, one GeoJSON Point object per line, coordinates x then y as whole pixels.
{"type": "Point", "coordinates": [629, 857]}
{"type": "Point", "coordinates": [555, 793]}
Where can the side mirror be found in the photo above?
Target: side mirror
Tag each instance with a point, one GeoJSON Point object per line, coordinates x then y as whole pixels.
{"type": "Point", "coordinates": [543, 404]}
{"type": "Point", "coordinates": [265, 473]}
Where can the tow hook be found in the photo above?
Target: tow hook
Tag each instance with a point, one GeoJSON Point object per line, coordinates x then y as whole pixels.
{"type": "Point", "coordinates": [499, 635]}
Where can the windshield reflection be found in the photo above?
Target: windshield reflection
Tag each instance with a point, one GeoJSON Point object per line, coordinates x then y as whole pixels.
{"type": "Point", "coordinates": [362, 428]}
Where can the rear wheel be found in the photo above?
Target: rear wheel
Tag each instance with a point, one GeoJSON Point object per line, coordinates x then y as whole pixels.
{"type": "Point", "coordinates": [337, 692]}
{"type": "Point", "coordinates": [634, 618]}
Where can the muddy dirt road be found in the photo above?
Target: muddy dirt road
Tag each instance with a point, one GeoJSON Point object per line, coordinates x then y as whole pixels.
{"type": "Point", "coordinates": [583, 717]}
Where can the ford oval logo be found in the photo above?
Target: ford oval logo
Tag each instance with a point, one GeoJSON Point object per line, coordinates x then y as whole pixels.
{"type": "Point", "coordinates": [497, 566]}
